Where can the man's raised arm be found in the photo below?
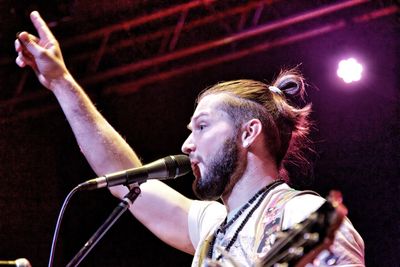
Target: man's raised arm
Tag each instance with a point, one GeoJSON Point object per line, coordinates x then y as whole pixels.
{"type": "Point", "coordinates": [105, 150]}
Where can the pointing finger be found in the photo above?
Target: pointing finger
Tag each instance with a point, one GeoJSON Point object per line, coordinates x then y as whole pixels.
{"type": "Point", "coordinates": [41, 26]}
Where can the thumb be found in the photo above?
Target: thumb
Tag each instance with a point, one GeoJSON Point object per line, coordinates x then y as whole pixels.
{"type": "Point", "coordinates": [31, 43]}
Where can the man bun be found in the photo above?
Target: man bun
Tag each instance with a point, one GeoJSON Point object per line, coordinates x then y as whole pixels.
{"type": "Point", "coordinates": [291, 83]}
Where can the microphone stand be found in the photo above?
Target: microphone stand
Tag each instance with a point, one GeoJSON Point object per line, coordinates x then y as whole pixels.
{"type": "Point", "coordinates": [114, 216]}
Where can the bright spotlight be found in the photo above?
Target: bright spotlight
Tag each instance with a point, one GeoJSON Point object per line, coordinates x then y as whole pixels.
{"type": "Point", "coordinates": [349, 70]}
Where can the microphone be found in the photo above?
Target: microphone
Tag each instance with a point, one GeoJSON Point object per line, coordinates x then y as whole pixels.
{"type": "Point", "coordinates": [22, 262]}
{"type": "Point", "coordinates": [166, 168]}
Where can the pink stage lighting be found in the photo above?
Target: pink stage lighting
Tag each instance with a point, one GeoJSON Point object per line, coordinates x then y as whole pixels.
{"type": "Point", "coordinates": [349, 70]}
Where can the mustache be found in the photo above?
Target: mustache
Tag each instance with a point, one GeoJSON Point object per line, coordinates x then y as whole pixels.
{"type": "Point", "coordinates": [194, 159]}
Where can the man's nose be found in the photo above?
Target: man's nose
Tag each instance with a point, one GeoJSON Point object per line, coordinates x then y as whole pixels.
{"type": "Point", "coordinates": [188, 146]}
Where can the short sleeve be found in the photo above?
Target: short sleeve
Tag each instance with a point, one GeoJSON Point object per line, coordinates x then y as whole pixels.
{"type": "Point", "coordinates": [203, 217]}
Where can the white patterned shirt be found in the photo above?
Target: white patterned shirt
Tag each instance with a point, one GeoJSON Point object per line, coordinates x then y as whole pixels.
{"type": "Point", "coordinates": [206, 216]}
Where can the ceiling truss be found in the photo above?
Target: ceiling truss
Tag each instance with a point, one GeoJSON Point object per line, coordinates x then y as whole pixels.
{"type": "Point", "coordinates": [126, 56]}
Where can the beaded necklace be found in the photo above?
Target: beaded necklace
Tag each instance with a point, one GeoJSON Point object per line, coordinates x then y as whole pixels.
{"type": "Point", "coordinates": [225, 225]}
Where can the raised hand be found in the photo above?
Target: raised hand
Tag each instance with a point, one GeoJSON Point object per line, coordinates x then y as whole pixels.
{"type": "Point", "coordinates": [41, 53]}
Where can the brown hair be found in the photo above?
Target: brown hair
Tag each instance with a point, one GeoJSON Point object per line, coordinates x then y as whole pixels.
{"type": "Point", "coordinates": [286, 126]}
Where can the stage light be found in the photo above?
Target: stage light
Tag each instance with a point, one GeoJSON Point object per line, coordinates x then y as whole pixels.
{"type": "Point", "coordinates": [349, 70]}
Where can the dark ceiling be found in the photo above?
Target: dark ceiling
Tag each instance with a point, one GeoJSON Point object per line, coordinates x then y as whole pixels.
{"type": "Point", "coordinates": [117, 47]}
{"type": "Point", "coordinates": [144, 62]}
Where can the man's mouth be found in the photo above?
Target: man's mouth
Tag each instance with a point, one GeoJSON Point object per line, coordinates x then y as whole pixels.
{"type": "Point", "coordinates": [196, 170]}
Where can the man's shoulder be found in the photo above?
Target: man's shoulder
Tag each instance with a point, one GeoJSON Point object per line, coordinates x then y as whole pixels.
{"type": "Point", "coordinates": [292, 205]}
{"type": "Point", "coordinates": [286, 195]}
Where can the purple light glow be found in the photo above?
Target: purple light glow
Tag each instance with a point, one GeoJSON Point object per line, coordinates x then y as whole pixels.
{"type": "Point", "coordinates": [349, 70]}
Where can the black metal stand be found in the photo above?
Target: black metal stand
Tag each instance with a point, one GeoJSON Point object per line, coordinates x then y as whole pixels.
{"type": "Point", "coordinates": [114, 216]}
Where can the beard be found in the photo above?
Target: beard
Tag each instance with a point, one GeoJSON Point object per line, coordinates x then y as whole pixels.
{"type": "Point", "coordinates": [218, 178]}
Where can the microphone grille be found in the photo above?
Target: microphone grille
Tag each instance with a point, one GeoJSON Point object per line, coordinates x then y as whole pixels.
{"type": "Point", "coordinates": [178, 165]}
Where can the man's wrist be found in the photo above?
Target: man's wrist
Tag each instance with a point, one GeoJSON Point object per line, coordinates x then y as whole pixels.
{"type": "Point", "coordinates": [62, 83]}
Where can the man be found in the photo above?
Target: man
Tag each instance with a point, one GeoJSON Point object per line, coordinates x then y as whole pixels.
{"type": "Point", "coordinates": [241, 133]}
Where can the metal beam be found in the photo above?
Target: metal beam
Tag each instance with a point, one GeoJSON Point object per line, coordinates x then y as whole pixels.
{"type": "Point", "coordinates": [130, 87]}
{"type": "Point", "coordinates": [151, 62]}
{"type": "Point", "coordinates": [136, 21]}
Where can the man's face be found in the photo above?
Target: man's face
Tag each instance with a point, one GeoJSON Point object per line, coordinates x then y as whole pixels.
{"type": "Point", "coordinates": [212, 147]}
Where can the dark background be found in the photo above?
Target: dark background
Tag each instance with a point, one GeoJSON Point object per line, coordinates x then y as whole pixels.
{"type": "Point", "coordinates": [356, 133]}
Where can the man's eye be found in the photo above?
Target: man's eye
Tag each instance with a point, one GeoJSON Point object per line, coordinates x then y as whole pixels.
{"type": "Point", "coordinates": [202, 127]}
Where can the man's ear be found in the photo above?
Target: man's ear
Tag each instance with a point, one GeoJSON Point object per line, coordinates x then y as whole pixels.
{"type": "Point", "coordinates": [250, 132]}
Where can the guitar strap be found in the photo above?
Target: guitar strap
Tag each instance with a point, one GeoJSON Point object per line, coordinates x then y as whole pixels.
{"type": "Point", "coordinates": [272, 218]}
{"type": "Point", "coordinates": [204, 249]}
